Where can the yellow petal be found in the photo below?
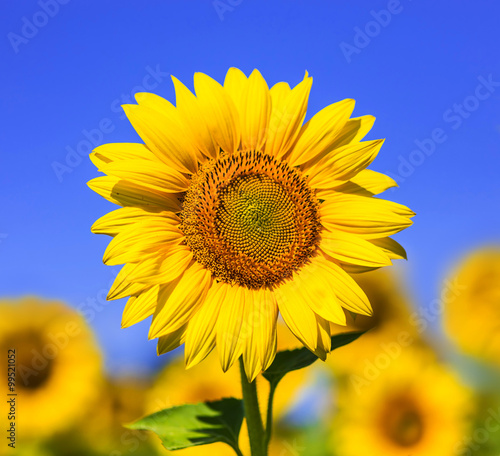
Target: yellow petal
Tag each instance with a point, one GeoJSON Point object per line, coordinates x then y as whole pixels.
{"type": "Point", "coordinates": [350, 248]}
{"type": "Point", "coordinates": [132, 244]}
{"type": "Point", "coordinates": [111, 152]}
{"type": "Point", "coordinates": [279, 92]}
{"type": "Point", "coordinates": [125, 193]}
{"type": "Point", "coordinates": [392, 248]}
{"type": "Point", "coordinates": [123, 287]}
{"type": "Point", "coordinates": [235, 84]}
{"type": "Point", "coordinates": [255, 113]}
{"type": "Point", "coordinates": [355, 268]}
{"type": "Point", "coordinates": [179, 300]}
{"type": "Point", "coordinates": [271, 354]}
{"type": "Point", "coordinates": [158, 269]}
{"type": "Point", "coordinates": [171, 341]}
{"type": "Point", "coordinates": [159, 104]}
{"type": "Point", "coordinates": [120, 219]}
{"type": "Point", "coordinates": [314, 287]}
{"type": "Point", "coordinates": [219, 112]}
{"type": "Point", "coordinates": [288, 113]}
{"type": "Point", "coordinates": [140, 307]}
{"type": "Point", "coordinates": [268, 336]}
{"type": "Point", "coordinates": [156, 176]}
{"type": "Point", "coordinates": [297, 314]}
{"type": "Point", "coordinates": [373, 181]}
{"type": "Point", "coordinates": [317, 135]}
{"type": "Point", "coordinates": [354, 130]}
{"type": "Point", "coordinates": [365, 183]}
{"type": "Point", "coordinates": [370, 218]}
{"type": "Point", "coordinates": [200, 336]}
{"type": "Point", "coordinates": [228, 338]}
{"type": "Point", "coordinates": [343, 164]}
{"type": "Point", "coordinates": [324, 338]}
{"type": "Point", "coordinates": [189, 111]}
{"type": "Point", "coordinates": [259, 331]}
{"type": "Point", "coordinates": [349, 293]}
{"type": "Point", "coordinates": [164, 137]}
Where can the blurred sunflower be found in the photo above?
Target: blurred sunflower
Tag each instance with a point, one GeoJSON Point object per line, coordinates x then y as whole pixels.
{"type": "Point", "coordinates": [472, 305]}
{"type": "Point", "coordinates": [390, 326]}
{"type": "Point", "coordinates": [58, 364]}
{"type": "Point", "coordinates": [415, 406]}
{"type": "Point", "coordinates": [176, 386]}
{"type": "Point", "coordinates": [233, 210]}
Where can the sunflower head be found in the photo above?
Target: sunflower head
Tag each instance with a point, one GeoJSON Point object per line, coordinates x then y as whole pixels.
{"type": "Point", "coordinates": [415, 406]}
{"type": "Point", "coordinates": [250, 219]}
{"type": "Point", "coordinates": [234, 210]}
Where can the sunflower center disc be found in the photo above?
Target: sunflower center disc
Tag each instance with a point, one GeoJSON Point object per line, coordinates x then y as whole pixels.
{"type": "Point", "coordinates": [32, 344]}
{"type": "Point", "coordinates": [250, 219]}
{"type": "Point", "coordinates": [403, 424]}
{"type": "Point", "coordinates": [255, 217]}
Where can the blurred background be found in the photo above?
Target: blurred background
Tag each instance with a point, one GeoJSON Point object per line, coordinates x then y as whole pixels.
{"type": "Point", "coordinates": [429, 72]}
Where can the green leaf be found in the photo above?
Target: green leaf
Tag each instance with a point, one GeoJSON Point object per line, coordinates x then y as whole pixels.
{"type": "Point", "coordinates": [290, 360]}
{"type": "Point", "coordinates": [196, 424]}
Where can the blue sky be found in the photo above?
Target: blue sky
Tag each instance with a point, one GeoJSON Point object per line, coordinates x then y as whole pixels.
{"type": "Point", "coordinates": [429, 72]}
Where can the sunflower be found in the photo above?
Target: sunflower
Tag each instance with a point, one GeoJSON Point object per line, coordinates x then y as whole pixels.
{"type": "Point", "coordinates": [175, 386]}
{"type": "Point", "coordinates": [472, 303]}
{"type": "Point", "coordinates": [416, 406]}
{"type": "Point", "coordinates": [58, 364]}
{"type": "Point", "coordinates": [233, 211]}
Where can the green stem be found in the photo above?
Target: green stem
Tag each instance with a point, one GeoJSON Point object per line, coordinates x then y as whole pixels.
{"type": "Point", "coordinates": [269, 420]}
{"type": "Point", "coordinates": [252, 413]}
